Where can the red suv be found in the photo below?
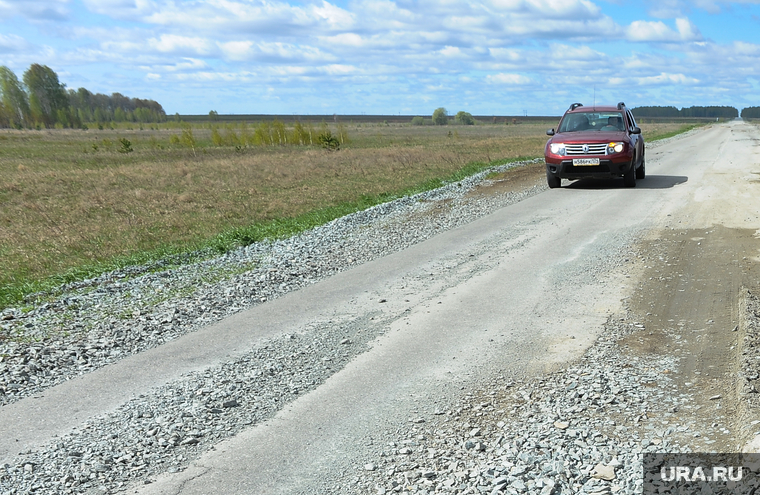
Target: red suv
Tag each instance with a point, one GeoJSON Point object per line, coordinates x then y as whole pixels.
{"type": "Point", "coordinates": [595, 142]}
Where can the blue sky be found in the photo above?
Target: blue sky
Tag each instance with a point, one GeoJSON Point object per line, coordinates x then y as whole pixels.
{"type": "Point", "coordinates": [498, 57]}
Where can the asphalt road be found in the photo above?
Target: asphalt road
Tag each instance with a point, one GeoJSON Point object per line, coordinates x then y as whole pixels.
{"type": "Point", "coordinates": [514, 294]}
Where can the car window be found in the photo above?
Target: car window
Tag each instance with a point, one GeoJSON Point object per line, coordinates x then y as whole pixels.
{"type": "Point", "coordinates": [592, 121]}
{"type": "Point", "coordinates": [631, 120]}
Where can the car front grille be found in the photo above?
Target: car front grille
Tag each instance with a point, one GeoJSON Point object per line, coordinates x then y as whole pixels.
{"type": "Point", "coordinates": [586, 149]}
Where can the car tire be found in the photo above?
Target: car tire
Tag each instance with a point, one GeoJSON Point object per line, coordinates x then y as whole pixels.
{"type": "Point", "coordinates": [553, 181]}
{"type": "Point", "coordinates": [629, 179]}
{"type": "Point", "coordinates": [641, 172]}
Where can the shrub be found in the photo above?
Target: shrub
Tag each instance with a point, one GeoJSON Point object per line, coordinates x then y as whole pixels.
{"type": "Point", "coordinates": [464, 118]}
{"type": "Point", "coordinates": [126, 146]}
{"type": "Point", "coordinates": [440, 116]}
{"type": "Point", "coordinates": [280, 135]}
{"type": "Point", "coordinates": [216, 138]}
{"type": "Point", "coordinates": [263, 134]}
{"type": "Point", "coordinates": [328, 141]}
{"type": "Point", "coordinates": [187, 139]}
{"type": "Point", "coordinates": [230, 137]}
{"type": "Point", "coordinates": [418, 121]}
{"type": "Point", "coordinates": [342, 133]}
{"type": "Point", "coordinates": [300, 135]}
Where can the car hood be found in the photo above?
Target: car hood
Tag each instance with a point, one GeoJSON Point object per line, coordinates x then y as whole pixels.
{"type": "Point", "coordinates": [590, 137]}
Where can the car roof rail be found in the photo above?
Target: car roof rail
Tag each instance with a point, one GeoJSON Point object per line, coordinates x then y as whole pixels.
{"type": "Point", "coordinates": [575, 105]}
{"type": "Point", "coordinates": [621, 106]}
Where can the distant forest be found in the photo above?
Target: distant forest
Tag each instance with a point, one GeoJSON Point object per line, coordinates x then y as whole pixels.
{"type": "Point", "coordinates": [691, 112]}
{"type": "Point", "coordinates": [41, 100]}
{"type": "Point", "coordinates": [751, 113]}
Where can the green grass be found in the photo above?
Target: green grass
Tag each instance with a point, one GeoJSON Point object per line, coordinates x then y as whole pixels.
{"type": "Point", "coordinates": [164, 257]}
{"type": "Point", "coordinates": [667, 133]}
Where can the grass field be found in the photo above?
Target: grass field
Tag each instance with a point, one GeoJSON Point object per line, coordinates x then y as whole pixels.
{"type": "Point", "coordinates": [75, 203]}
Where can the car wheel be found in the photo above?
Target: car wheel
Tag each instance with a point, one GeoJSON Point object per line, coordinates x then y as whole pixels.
{"type": "Point", "coordinates": [553, 181]}
{"type": "Point", "coordinates": [641, 172]}
{"type": "Point", "coordinates": [629, 179]}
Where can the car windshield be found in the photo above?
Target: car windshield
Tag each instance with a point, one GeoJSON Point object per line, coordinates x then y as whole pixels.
{"type": "Point", "coordinates": [592, 121]}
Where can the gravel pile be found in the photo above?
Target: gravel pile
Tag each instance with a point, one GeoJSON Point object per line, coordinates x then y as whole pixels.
{"type": "Point", "coordinates": [581, 430]}
{"type": "Point", "coordinates": [86, 325]}
{"type": "Point", "coordinates": [749, 387]}
{"type": "Point", "coordinates": [164, 429]}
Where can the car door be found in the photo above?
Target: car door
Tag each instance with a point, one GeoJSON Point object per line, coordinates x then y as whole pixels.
{"type": "Point", "coordinates": [636, 140]}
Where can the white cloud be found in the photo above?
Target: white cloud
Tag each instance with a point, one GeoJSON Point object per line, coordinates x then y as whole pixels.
{"type": "Point", "coordinates": [668, 79]}
{"type": "Point", "coordinates": [35, 10]}
{"type": "Point", "coordinates": [183, 65]}
{"type": "Point", "coordinates": [11, 43]}
{"type": "Point", "coordinates": [552, 62]}
{"type": "Point", "coordinates": [666, 9]}
{"type": "Point", "coordinates": [336, 18]}
{"type": "Point", "coordinates": [509, 79]}
{"type": "Point", "coordinates": [229, 17]}
{"type": "Point", "coordinates": [687, 30]}
{"type": "Point", "coordinates": [340, 70]}
{"type": "Point", "coordinates": [577, 54]}
{"type": "Point", "coordinates": [451, 52]}
{"type": "Point", "coordinates": [658, 31]}
{"type": "Point", "coordinates": [172, 43]}
{"type": "Point", "coordinates": [237, 50]}
{"type": "Point", "coordinates": [386, 15]}
{"type": "Point", "coordinates": [272, 52]}
{"type": "Point", "coordinates": [347, 39]}
{"type": "Point", "coordinates": [744, 49]}
{"type": "Point", "coordinates": [553, 9]}
{"type": "Point", "coordinates": [122, 9]}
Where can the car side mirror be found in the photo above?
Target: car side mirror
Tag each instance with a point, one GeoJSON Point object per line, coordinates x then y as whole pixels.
{"type": "Point", "coordinates": [550, 132]}
{"type": "Point", "coordinates": [636, 130]}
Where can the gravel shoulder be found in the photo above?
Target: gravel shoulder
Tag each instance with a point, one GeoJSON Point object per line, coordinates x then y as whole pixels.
{"type": "Point", "coordinates": [87, 325]}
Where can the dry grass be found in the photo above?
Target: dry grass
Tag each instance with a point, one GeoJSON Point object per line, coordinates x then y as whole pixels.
{"type": "Point", "coordinates": [69, 198]}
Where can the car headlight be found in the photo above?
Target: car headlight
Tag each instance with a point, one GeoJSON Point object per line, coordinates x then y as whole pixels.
{"type": "Point", "coordinates": [557, 148]}
{"type": "Point", "coordinates": [615, 148]}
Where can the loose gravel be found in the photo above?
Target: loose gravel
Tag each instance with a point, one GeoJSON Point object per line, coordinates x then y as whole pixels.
{"type": "Point", "coordinates": [583, 429]}
{"type": "Point", "coordinates": [86, 325]}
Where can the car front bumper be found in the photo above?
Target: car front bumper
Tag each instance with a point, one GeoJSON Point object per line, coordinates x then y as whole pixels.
{"type": "Point", "coordinates": [565, 169]}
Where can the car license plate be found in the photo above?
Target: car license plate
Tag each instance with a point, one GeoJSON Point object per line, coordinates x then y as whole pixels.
{"type": "Point", "coordinates": [580, 162]}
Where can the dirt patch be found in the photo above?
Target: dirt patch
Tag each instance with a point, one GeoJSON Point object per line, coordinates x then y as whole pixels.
{"type": "Point", "coordinates": [513, 180]}
{"type": "Point", "coordinates": [690, 301]}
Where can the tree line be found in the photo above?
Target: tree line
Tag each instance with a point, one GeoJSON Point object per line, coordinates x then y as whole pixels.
{"type": "Point", "coordinates": [39, 100]}
{"type": "Point", "coordinates": [691, 112]}
{"type": "Point", "coordinates": [751, 113]}
{"type": "Point", "coordinates": [441, 117]}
